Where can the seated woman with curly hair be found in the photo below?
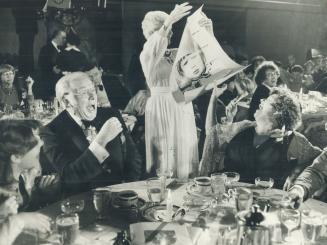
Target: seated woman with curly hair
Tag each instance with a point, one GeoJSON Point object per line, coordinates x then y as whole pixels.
{"type": "Point", "coordinates": [266, 77]}
{"type": "Point", "coordinates": [267, 147]}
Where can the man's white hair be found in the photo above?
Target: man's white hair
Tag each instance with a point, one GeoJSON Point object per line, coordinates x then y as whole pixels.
{"type": "Point", "coordinates": [67, 84]}
{"type": "Point", "coordinates": [152, 22]}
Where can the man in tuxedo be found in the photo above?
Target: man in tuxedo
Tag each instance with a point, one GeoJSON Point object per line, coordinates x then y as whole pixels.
{"type": "Point", "coordinates": [49, 72]}
{"type": "Point", "coordinates": [87, 156]}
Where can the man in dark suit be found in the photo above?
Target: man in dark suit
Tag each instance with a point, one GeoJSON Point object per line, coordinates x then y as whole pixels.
{"type": "Point", "coordinates": [71, 59]}
{"type": "Point", "coordinates": [83, 158]}
{"type": "Point", "coordinates": [50, 74]}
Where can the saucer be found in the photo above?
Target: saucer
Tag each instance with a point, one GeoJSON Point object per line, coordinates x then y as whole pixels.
{"type": "Point", "coordinates": [140, 204]}
{"type": "Point", "coordinates": [157, 213]}
{"type": "Point", "coordinates": [191, 190]}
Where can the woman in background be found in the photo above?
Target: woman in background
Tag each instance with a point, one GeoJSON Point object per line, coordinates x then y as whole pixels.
{"type": "Point", "coordinates": [170, 131]}
{"type": "Point", "coordinates": [11, 97]}
{"type": "Point", "coordinates": [266, 77]}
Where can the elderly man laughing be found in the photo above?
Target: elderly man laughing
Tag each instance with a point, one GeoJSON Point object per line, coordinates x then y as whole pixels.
{"type": "Point", "coordinates": [86, 145]}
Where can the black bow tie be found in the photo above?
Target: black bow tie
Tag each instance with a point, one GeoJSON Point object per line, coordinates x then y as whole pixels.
{"type": "Point", "coordinates": [87, 124]}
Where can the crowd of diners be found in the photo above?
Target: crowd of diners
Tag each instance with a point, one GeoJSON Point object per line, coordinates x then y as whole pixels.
{"type": "Point", "coordinates": [249, 126]}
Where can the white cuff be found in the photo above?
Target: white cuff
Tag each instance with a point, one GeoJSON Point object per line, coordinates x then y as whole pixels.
{"type": "Point", "coordinates": [98, 151]}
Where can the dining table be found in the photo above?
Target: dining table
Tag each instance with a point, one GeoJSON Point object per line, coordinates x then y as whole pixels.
{"type": "Point", "coordinates": [116, 222]}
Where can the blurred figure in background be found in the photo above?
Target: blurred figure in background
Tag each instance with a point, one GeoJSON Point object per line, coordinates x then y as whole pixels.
{"type": "Point", "coordinates": [49, 72]}
{"type": "Point", "coordinates": [11, 95]}
{"type": "Point", "coordinates": [266, 77]}
{"type": "Point", "coordinates": [71, 58]}
{"type": "Point", "coordinates": [295, 83]}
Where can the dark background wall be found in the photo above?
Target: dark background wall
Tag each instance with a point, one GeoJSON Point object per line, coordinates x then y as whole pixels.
{"type": "Point", "coordinates": [270, 28]}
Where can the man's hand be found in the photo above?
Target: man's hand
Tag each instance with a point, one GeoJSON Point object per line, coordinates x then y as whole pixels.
{"type": "Point", "coordinates": [35, 221]}
{"type": "Point", "coordinates": [110, 130]}
{"type": "Point", "coordinates": [8, 207]}
{"type": "Point", "coordinates": [288, 183]}
{"type": "Point", "coordinates": [297, 195]}
{"type": "Point", "coordinates": [48, 184]}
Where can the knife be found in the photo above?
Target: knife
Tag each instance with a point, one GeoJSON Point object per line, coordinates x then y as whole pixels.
{"type": "Point", "coordinates": [155, 232]}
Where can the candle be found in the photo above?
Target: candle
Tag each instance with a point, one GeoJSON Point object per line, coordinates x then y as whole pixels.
{"type": "Point", "coordinates": [105, 4]}
{"type": "Point", "coordinates": [301, 94]}
{"type": "Point", "coordinates": [169, 212]}
{"type": "Point", "coordinates": [98, 3]}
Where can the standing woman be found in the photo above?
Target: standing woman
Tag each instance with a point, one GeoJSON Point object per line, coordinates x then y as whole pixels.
{"type": "Point", "coordinates": [170, 131]}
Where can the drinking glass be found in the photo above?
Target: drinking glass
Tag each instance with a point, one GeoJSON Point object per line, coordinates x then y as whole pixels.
{"type": "Point", "coordinates": [101, 200]}
{"type": "Point", "coordinates": [68, 228]}
{"type": "Point", "coordinates": [264, 183]}
{"type": "Point", "coordinates": [163, 174]}
{"type": "Point", "coordinates": [169, 172]}
{"type": "Point", "coordinates": [231, 177]}
{"type": "Point", "coordinates": [155, 190]}
{"type": "Point", "coordinates": [218, 185]}
{"type": "Point", "coordinates": [72, 206]}
{"type": "Point", "coordinates": [290, 218]}
{"type": "Point", "coordinates": [311, 225]}
{"type": "Point", "coordinates": [243, 199]}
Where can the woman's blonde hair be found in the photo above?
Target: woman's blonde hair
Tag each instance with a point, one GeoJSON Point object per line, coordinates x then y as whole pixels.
{"type": "Point", "coordinates": [152, 22]}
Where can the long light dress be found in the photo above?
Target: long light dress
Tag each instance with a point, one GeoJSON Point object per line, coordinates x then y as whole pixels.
{"type": "Point", "coordinates": [170, 131]}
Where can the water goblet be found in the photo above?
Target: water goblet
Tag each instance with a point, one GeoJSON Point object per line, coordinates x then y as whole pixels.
{"type": "Point", "coordinates": [72, 206]}
{"type": "Point", "coordinates": [231, 178]}
{"type": "Point", "coordinates": [264, 183]}
{"type": "Point", "coordinates": [289, 218]}
{"type": "Point", "coordinates": [101, 199]}
{"type": "Point", "coordinates": [218, 185]}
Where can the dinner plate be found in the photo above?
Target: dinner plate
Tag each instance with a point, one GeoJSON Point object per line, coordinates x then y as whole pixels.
{"type": "Point", "coordinates": [157, 213]}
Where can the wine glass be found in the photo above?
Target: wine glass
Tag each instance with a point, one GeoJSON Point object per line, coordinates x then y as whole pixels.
{"type": "Point", "coordinates": [101, 199]}
{"type": "Point", "coordinates": [231, 177]}
{"type": "Point", "coordinates": [264, 183]}
{"type": "Point", "coordinates": [290, 218]}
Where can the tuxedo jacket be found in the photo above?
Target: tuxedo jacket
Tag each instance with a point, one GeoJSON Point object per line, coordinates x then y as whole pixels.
{"type": "Point", "coordinates": [65, 151]}
{"type": "Point", "coordinates": [71, 61]}
{"type": "Point", "coordinates": [45, 88]}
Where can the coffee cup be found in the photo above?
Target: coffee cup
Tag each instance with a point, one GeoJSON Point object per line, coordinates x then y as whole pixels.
{"type": "Point", "coordinates": [127, 198]}
{"type": "Point", "coordinates": [202, 184]}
